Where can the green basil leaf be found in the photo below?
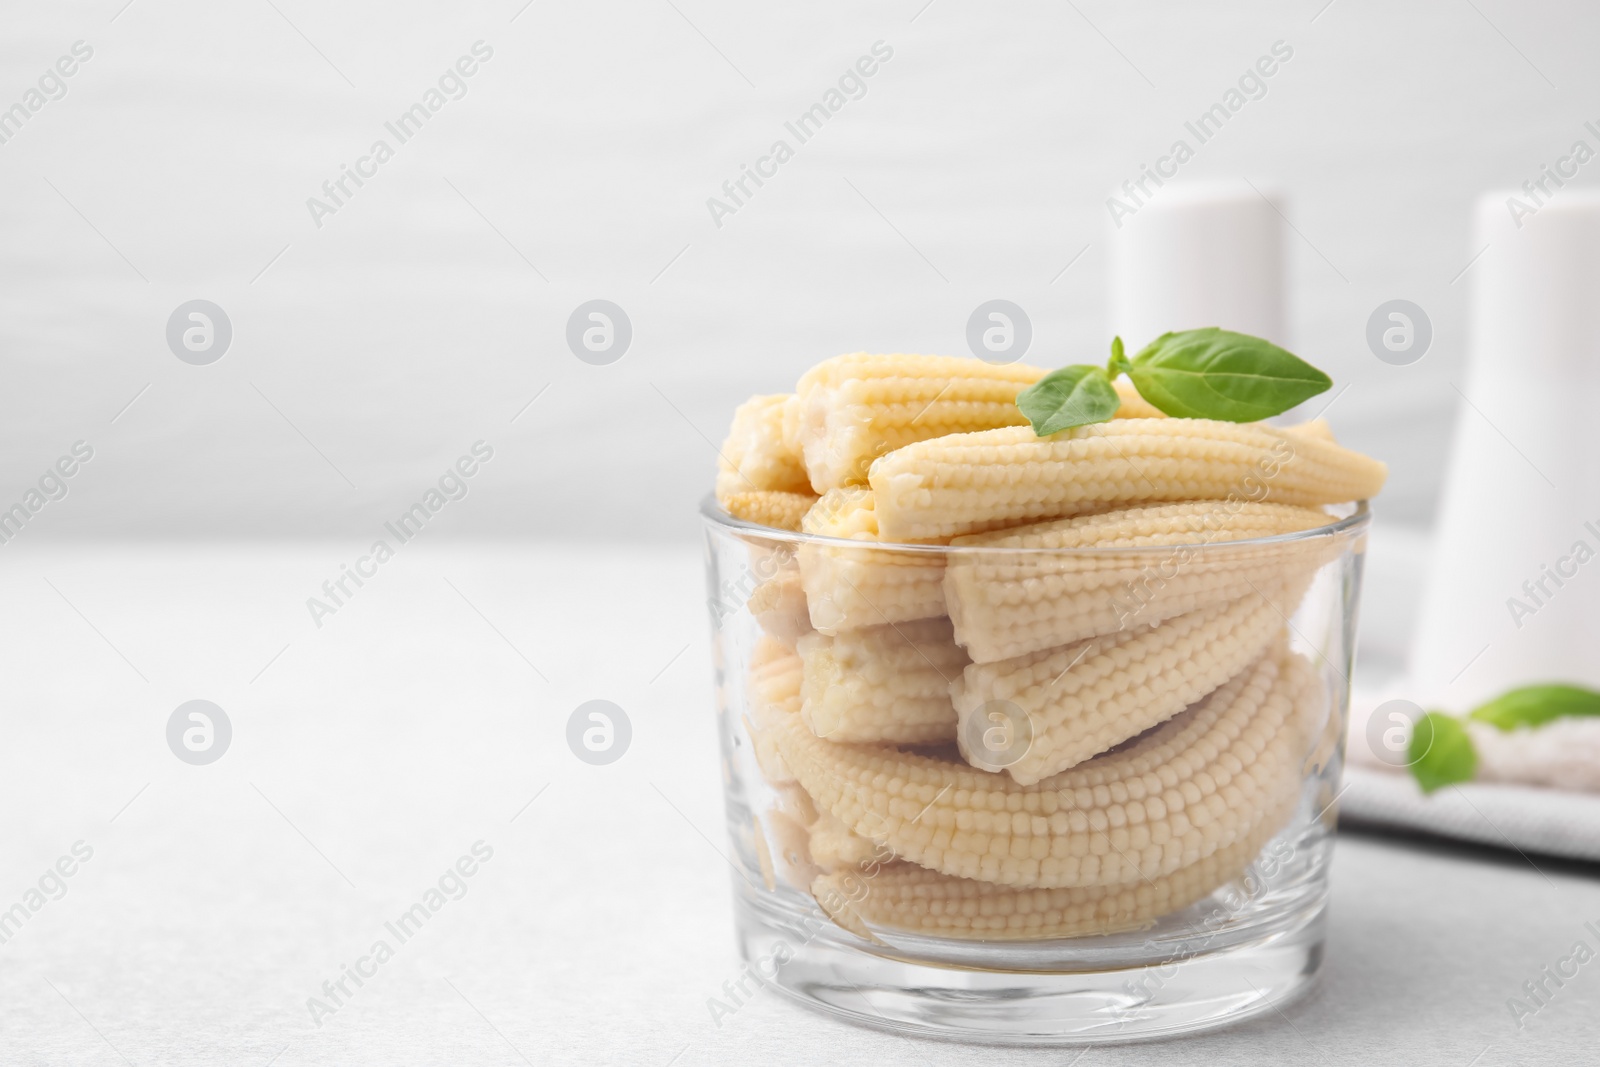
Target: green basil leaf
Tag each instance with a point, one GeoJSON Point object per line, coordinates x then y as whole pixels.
{"type": "Point", "coordinates": [1535, 705]}
{"type": "Point", "coordinates": [1118, 363]}
{"type": "Point", "coordinates": [1072, 396]}
{"type": "Point", "coordinates": [1441, 752]}
{"type": "Point", "coordinates": [1219, 374]}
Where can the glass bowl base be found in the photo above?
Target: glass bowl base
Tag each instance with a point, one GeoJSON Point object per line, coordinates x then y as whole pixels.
{"type": "Point", "coordinates": [1098, 1001]}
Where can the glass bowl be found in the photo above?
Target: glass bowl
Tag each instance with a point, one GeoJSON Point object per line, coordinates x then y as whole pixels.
{"type": "Point", "coordinates": [1032, 795]}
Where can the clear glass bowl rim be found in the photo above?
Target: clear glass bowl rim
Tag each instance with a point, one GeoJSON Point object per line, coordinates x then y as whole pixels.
{"type": "Point", "coordinates": [1340, 526]}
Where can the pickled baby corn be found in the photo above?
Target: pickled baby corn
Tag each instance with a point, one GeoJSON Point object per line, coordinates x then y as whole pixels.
{"type": "Point", "coordinates": [883, 683]}
{"type": "Point", "coordinates": [849, 410]}
{"type": "Point", "coordinates": [1083, 699]}
{"type": "Point", "coordinates": [768, 507]}
{"type": "Point", "coordinates": [1007, 603]}
{"type": "Point", "coordinates": [754, 456]}
{"type": "Point", "coordinates": [969, 483]}
{"type": "Point", "coordinates": [1178, 794]}
{"type": "Point", "coordinates": [779, 607]}
{"type": "Point", "coordinates": [848, 587]}
{"type": "Point", "coordinates": [906, 897]}
{"type": "Point", "coordinates": [1026, 687]}
{"type": "Point", "coordinates": [758, 478]}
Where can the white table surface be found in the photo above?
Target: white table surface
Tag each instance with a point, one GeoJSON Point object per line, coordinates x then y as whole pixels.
{"type": "Point", "coordinates": [373, 752]}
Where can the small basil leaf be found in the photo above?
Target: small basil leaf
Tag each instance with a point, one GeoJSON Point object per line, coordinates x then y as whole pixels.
{"type": "Point", "coordinates": [1072, 396]}
{"type": "Point", "coordinates": [1535, 705]}
{"type": "Point", "coordinates": [1441, 753]}
{"type": "Point", "coordinates": [1118, 364]}
{"type": "Point", "coordinates": [1219, 374]}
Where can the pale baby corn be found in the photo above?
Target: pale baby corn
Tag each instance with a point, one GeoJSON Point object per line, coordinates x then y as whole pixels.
{"type": "Point", "coordinates": [789, 848]}
{"type": "Point", "coordinates": [851, 409]}
{"type": "Point", "coordinates": [758, 478]}
{"type": "Point", "coordinates": [833, 846]}
{"type": "Point", "coordinates": [1006, 603]}
{"type": "Point", "coordinates": [903, 896]}
{"type": "Point", "coordinates": [1133, 405]}
{"type": "Point", "coordinates": [882, 683]}
{"type": "Point", "coordinates": [848, 587]}
{"type": "Point", "coordinates": [1179, 793]}
{"type": "Point", "coordinates": [768, 507]}
{"type": "Point", "coordinates": [754, 455]}
{"type": "Point", "coordinates": [774, 695]}
{"type": "Point", "coordinates": [1086, 698]}
{"type": "Point", "coordinates": [779, 607]}
{"type": "Point", "coordinates": [969, 483]}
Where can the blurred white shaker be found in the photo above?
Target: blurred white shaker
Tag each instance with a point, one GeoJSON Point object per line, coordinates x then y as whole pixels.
{"type": "Point", "coordinates": [1513, 594]}
{"type": "Point", "coordinates": [1201, 254]}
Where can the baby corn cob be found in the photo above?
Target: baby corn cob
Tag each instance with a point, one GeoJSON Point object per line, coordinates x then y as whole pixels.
{"type": "Point", "coordinates": [768, 507]}
{"type": "Point", "coordinates": [796, 803]}
{"type": "Point", "coordinates": [847, 587]}
{"type": "Point", "coordinates": [851, 409]}
{"type": "Point", "coordinates": [789, 845]}
{"type": "Point", "coordinates": [1134, 406]}
{"type": "Point", "coordinates": [754, 456]}
{"type": "Point", "coordinates": [1179, 793]}
{"type": "Point", "coordinates": [779, 607]}
{"type": "Point", "coordinates": [1083, 699]}
{"type": "Point", "coordinates": [774, 688]}
{"type": "Point", "coordinates": [1007, 603]}
{"type": "Point", "coordinates": [758, 478]}
{"type": "Point", "coordinates": [883, 683]}
{"type": "Point", "coordinates": [903, 896]}
{"type": "Point", "coordinates": [979, 481]}
{"type": "Point", "coordinates": [835, 847]}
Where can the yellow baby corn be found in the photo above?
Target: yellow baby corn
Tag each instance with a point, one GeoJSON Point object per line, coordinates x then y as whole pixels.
{"type": "Point", "coordinates": [851, 409]}
{"type": "Point", "coordinates": [1006, 603]}
{"type": "Point", "coordinates": [768, 507]}
{"type": "Point", "coordinates": [974, 482]}
{"type": "Point", "coordinates": [1133, 405]}
{"type": "Point", "coordinates": [903, 896]}
{"type": "Point", "coordinates": [834, 846]}
{"type": "Point", "coordinates": [758, 478]}
{"type": "Point", "coordinates": [848, 587]}
{"type": "Point", "coordinates": [1083, 699]}
{"type": "Point", "coordinates": [882, 683]}
{"type": "Point", "coordinates": [779, 607]}
{"type": "Point", "coordinates": [1179, 793]}
{"type": "Point", "coordinates": [754, 456]}
{"type": "Point", "coordinates": [789, 849]}
{"type": "Point", "coordinates": [774, 697]}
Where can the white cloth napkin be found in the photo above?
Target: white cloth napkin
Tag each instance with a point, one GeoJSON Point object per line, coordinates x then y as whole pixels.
{"type": "Point", "coordinates": [1528, 819]}
{"type": "Point", "coordinates": [1511, 814]}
